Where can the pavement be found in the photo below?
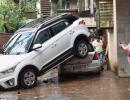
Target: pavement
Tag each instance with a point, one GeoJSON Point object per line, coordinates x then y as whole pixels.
{"type": "Point", "coordinates": [87, 86]}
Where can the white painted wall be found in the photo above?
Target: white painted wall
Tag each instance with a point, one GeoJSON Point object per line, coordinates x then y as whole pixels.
{"type": "Point", "coordinates": [38, 5]}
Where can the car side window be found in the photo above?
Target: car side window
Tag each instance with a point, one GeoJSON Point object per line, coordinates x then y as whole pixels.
{"type": "Point", "coordinates": [58, 27]}
{"type": "Point", "coordinates": [42, 37]}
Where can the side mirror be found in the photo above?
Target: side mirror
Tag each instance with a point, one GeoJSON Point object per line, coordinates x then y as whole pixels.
{"type": "Point", "coordinates": [37, 46]}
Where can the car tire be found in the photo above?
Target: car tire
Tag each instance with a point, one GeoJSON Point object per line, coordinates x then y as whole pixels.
{"type": "Point", "coordinates": [28, 78]}
{"type": "Point", "coordinates": [81, 49]}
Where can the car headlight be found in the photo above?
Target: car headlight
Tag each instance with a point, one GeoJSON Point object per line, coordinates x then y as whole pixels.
{"type": "Point", "coordinates": [7, 72]}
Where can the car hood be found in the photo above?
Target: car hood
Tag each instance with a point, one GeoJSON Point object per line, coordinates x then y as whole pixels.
{"type": "Point", "coordinates": [9, 61]}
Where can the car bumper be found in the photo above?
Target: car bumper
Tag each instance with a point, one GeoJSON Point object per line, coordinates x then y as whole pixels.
{"type": "Point", "coordinates": [7, 82]}
{"type": "Point", "coordinates": [80, 68]}
{"type": "Point", "coordinates": [94, 66]}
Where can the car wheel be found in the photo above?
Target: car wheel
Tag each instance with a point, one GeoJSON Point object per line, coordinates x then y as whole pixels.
{"type": "Point", "coordinates": [81, 49]}
{"type": "Point", "coordinates": [28, 78]}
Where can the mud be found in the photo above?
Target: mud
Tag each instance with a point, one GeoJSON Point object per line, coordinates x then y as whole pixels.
{"type": "Point", "coordinates": [106, 86]}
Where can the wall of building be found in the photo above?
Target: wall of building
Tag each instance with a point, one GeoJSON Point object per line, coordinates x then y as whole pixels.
{"type": "Point", "coordinates": [73, 4]}
{"type": "Point", "coordinates": [122, 31]}
{"type": "Point", "coordinates": [106, 13]}
{"type": "Point", "coordinates": [111, 53]}
{"type": "Point", "coordinates": [4, 38]}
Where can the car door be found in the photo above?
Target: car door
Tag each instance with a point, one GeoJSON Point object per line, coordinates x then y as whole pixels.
{"type": "Point", "coordinates": [61, 38]}
{"type": "Point", "coordinates": [54, 42]}
{"type": "Point", "coordinates": [43, 54]}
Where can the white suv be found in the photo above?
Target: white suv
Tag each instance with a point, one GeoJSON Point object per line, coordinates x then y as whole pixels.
{"type": "Point", "coordinates": [36, 48]}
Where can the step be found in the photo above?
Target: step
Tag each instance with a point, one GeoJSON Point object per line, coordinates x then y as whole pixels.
{"type": "Point", "coordinates": [45, 10]}
{"type": "Point", "coordinates": [43, 7]}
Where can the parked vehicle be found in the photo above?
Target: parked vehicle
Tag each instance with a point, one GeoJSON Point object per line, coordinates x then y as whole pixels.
{"type": "Point", "coordinates": [36, 48]}
{"type": "Point", "coordinates": [76, 65]}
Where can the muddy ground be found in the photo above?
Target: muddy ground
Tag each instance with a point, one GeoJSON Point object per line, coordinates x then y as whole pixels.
{"type": "Point", "coordinates": [90, 86]}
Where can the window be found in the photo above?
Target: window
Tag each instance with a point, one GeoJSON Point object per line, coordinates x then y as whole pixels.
{"type": "Point", "coordinates": [42, 37]}
{"type": "Point", "coordinates": [67, 4]}
{"type": "Point", "coordinates": [58, 27]}
{"type": "Point", "coordinates": [20, 43]}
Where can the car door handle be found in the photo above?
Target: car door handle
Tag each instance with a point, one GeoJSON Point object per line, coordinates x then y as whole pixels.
{"type": "Point", "coordinates": [53, 45]}
{"type": "Point", "coordinates": [71, 32]}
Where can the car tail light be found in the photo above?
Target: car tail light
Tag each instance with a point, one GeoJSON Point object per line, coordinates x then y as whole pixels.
{"type": "Point", "coordinates": [82, 22]}
{"type": "Point", "coordinates": [95, 57]}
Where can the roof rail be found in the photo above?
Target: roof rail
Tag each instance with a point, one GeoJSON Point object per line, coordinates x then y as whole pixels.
{"type": "Point", "coordinates": [53, 18]}
{"type": "Point", "coordinates": [56, 16]}
{"type": "Point", "coordinates": [44, 20]}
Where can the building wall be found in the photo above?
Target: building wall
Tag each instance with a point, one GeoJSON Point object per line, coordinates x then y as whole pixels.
{"type": "Point", "coordinates": [112, 42]}
{"type": "Point", "coordinates": [74, 4]}
{"type": "Point", "coordinates": [111, 53]}
{"type": "Point", "coordinates": [122, 31]}
{"type": "Point", "coordinates": [4, 38]}
{"type": "Point", "coordinates": [106, 13]}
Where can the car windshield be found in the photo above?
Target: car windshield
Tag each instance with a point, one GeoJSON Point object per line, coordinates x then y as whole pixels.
{"type": "Point", "coordinates": [18, 44]}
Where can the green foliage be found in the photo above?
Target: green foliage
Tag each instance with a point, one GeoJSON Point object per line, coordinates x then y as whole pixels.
{"type": "Point", "coordinates": [29, 5]}
{"type": "Point", "coordinates": [12, 14]}
{"type": "Point", "coordinates": [1, 24]}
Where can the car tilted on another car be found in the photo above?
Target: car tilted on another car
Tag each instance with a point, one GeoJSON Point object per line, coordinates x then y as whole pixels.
{"type": "Point", "coordinates": [36, 48]}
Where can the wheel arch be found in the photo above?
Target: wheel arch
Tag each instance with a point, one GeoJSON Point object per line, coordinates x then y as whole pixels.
{"type": "Point", "coordinates": [80, 37]}
{"type": "Point", "coordinates": [27, 67]}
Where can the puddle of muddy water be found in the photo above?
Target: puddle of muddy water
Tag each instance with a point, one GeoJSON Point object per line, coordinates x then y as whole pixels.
{"type": "Point", "coordinates": [75, 87]}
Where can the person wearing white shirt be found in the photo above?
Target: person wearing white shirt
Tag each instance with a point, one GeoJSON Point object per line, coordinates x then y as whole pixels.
{"type": "Point", "coordinates": [97, 44]}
